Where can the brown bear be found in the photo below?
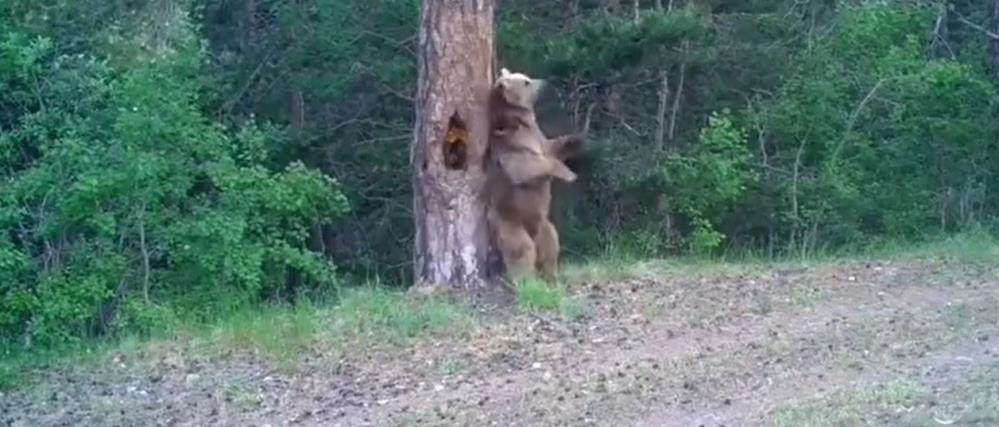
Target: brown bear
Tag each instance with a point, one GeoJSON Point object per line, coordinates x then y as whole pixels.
{"type": "Point", "coordinates": [521, 163]}
{"type": "Point", "coordinates": [515, 135]}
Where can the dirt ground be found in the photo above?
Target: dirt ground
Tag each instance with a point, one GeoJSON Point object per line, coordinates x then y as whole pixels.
{"type": "Point", "coordinates": [913, 343]}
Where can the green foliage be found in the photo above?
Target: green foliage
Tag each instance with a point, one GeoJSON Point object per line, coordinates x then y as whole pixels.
{"type": "Point", "coordinates": [351, 67]}
{"type": "Point", "coordinates": [125, 206]}
{"type": "Point", "coordinates": [599, 45]}
{"type": "Point", "coordinates": [167, 161]}
{"type": "Point", "coordinates": [829, 140]}
{"type": "Point", "coordinates": [861, 149]}
{"type": "Point", "coordinates": [700, 185]}
{"type": "Point", "coordinates": [709, 179]}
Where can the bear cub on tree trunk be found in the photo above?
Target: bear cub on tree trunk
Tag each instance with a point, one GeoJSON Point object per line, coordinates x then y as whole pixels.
{"type": "Point", "coordinates": [521, 163]}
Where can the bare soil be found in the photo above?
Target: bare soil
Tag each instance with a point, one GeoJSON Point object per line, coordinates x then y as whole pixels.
{"type": "Point", "coordinates": [912, 343]}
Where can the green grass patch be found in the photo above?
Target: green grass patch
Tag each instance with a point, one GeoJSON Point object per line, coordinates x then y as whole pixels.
{"type": "Point", "coordinates": [244, 398]}
{"type": "Point", "coordinates": [572, 308]}
{"type": "Point", "coordinates": [804, 296]}
{"type": "Point", "coordinates": [854, 408]}
{"type": "Point", "coordinates": [283, 333]}
{"type": "Point", "coordinates": [600, 270]}
{"type": "Point", "coordinates": [279, 334]}
{"type": "Point", "coordinates": [18, 365]}
{"type": "Point", "coordinates": [537, 296]}
{"type": "Point", "coordinates": [15, 365]}
{"type": "Point", "coordinates": [974, 246]}
{"type": "Point", "coordinates": [376, 311]}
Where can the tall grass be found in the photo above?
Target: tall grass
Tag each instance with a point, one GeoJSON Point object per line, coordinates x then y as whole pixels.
{"type": "Point", "coordinates": [279, 334]}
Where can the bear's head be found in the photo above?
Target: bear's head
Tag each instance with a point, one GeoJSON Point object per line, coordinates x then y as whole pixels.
{"type": "Point", "coordinates": [517, 89]}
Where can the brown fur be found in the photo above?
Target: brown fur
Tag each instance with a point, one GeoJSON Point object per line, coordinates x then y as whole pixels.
{"type": "Point", "coordinates": [521, 165]}
{"type": "Point", "coordinates": [516, 140]}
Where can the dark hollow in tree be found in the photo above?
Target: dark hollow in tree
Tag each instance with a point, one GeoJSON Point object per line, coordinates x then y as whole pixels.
{"type": "Point", "coordinates": [452, 247]}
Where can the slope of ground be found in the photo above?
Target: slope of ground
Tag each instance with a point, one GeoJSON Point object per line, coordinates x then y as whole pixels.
{"type": "Point", "coordinates": [899, 343]}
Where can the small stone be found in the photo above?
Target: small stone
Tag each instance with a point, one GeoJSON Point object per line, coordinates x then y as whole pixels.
{"type": "Point", "coordinates": [438, 387]}
{"type": "Point", "coordinates": [192, 378]}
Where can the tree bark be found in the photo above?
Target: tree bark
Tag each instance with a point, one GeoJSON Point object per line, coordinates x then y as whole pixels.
{"type": "Point", "coordinates": [663, 95]}
{"type": "Point", "coordinates": [297, 111]}
{"type": "Point", "coordinates": [612, 7]}
{"type": "Point", "coordinates": [677, 98]}
{"type": "Point", "coordinates": [993, 41]}
{"type": "Point", "coordinates": [453, 245]}
{"type": "Point", "coordinates": [661, 109]}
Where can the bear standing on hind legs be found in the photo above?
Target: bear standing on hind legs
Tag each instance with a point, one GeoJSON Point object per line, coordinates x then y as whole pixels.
{"type": "Point", "coordinates": [521, 163]}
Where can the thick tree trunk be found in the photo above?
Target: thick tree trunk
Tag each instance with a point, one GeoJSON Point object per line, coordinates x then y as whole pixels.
{"type": "Point", "coordinates": [453, 246]}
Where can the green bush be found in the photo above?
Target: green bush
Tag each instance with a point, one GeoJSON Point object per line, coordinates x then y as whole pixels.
{"type": "Point", "coordinates": [125, 206]}
{"type": "Point", "coordinates": [874, 138]}
{"type": "Point", "coordinates": [168, 160]}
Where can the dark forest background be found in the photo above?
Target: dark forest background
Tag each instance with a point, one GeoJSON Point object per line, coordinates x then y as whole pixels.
{"type": "Point", "coordinates": [166, 159]}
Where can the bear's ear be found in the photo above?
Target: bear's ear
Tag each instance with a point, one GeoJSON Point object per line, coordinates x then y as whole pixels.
{"type": "Point", "coordinates": [504, 72]}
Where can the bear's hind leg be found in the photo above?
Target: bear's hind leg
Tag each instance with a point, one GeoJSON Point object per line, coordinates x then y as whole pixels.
{"type": "Point", "coordinates": [518, 250]}
{"type": "Point", "coordinates": [546, 240]}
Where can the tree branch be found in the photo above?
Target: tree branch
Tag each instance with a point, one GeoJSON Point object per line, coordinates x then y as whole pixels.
{"type": "Point", "coordinates": [980, 28]}
{"type": "Point", "coordinates": [854, 116]}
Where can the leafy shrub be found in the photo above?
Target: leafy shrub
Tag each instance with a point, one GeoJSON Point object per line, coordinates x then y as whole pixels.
{"type": "Point", "coordinates": [126, 207]}
{"type": "Point", "coordinates": [871, 137]}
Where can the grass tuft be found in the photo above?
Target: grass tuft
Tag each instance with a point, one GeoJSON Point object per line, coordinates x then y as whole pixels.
{"type": "Point", "coordinates": [599, 271]}
{"type": "Point", "coordinates": [853, 408]}
{"type": "Point", "coordinates": [537, 296]}
{"type": "Point", "coordinates": [279, 333]}
{"type": "Point", "coordinates": [375, 311]}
